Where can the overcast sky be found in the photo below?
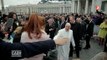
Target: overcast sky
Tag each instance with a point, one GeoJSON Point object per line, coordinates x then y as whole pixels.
{"type": "Point", "coordinates": [19, 2]}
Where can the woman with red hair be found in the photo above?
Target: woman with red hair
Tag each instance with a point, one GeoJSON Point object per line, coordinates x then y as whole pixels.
{"type": "Point", "coordinates": [34, 32]}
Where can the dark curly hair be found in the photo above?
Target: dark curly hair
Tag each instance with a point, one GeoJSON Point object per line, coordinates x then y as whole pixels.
{"type": "Point", "coordinates": [11, 14]}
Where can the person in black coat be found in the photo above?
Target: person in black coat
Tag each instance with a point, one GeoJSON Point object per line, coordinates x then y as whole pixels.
{"type": "Point", "coordinates": [4, 19]}
{"type": "Point", "coordinates": [63, 22]}
{"type": "Point", "coordinates": [9, 51]}
{"type": "Point", "coordinates": [0, 16]}
{"type": "Point", "coordinates": [83, 26]}
{"type": "Point", "coordinates": [105, 45]}
{"type": "Point", "coordinates": [76, 27]}
{"type": "Point", "coordinates": [2, 35]}
{"type": "Point", "coordinates": [50, 27]}
{"type": "Point", "coordinates": [89, 31]}
{"type": "Point", "coordinates": [11, 24]}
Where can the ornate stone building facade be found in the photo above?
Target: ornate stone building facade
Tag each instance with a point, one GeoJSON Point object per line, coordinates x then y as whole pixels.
{"type": "Point", "coordinates": [73, 6]}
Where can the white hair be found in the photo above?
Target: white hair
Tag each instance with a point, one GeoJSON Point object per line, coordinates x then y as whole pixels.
{"type": "Point", "coordinates": [68, 24]}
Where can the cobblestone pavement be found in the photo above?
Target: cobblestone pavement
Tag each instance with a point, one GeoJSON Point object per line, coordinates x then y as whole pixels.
{"type": "Point", "coordinates": [88, 54]}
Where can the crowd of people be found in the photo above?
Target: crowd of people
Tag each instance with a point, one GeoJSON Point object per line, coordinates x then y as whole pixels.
{"type": "Point", "coordinates": [41, 27]}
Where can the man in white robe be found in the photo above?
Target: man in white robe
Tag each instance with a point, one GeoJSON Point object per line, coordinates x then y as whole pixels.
{"type": "Point", "coordinates": [63, 51]}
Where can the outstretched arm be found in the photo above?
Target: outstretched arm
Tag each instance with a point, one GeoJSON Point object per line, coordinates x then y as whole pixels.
{"type": "Point", "coordinates": [24, 50]}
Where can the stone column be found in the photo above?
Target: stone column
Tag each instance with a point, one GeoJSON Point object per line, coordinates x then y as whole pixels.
{"type": "Point", "coordinates": [93, 6]}
{"type": "Point", "coordinates": [2, 6]}
{"type": "Point", "coordinates": [78, 7]}
{"type": "Point", "coordinates": [63, 8]}
{"type": "Point", "coordinates": [60, 10]}
{"type": "Point", "coordinates": [73, 6]}
{"type": "Point", "coordinates": [86, 6]}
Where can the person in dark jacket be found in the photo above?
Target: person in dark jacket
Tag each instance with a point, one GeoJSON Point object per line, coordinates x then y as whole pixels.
{"type": "Point", "coordinates": [2, 35]}
{"type": "Point", "coordinates": [18, 31]}
{"type": "Point", "coordinates": [83, 26]}
{"type": "Point", "coordinates": [4, 19]}
{"type": "Point", "coordinates": [9, 51]}
{"type": "Point", "coordinates": [76, 27]}
{"type": "Point", "coordinates": [89, 31]}
{"type": "Point", "coordinates": [63, 22]}
{"type": "Point", "coordinates": [0, 16]}
{"type": "Point", "coordinates": [50, 27]}
{"type": "Point", "coordinates": [11, 23]}
{"type": "Point", "coordinates": [105, 45]}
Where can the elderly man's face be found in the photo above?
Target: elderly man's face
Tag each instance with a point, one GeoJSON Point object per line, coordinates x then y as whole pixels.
{"type": "Point", "coordinates": [62, 18]}
{"type": "Point", "coordinates": [67, 27]}
{"type": "Point", "coordinates": [78, 20]}
{"type": "Point", "coordinates": [71, 19]}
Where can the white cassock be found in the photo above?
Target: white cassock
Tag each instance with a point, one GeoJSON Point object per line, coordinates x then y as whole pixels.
{"type": "Point", "coordinates": [63, 51]}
